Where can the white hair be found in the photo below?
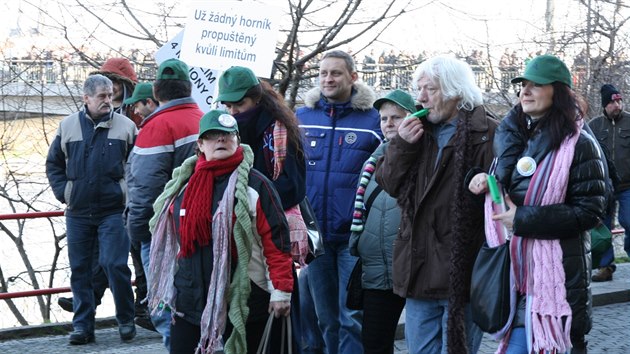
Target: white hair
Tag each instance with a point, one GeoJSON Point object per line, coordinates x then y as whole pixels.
{"type": "Point", "coordinates": [456, 80]}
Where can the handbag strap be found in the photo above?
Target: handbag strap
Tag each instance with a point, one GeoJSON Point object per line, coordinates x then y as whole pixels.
{"type": "Point", "coordinates": [286, 336]}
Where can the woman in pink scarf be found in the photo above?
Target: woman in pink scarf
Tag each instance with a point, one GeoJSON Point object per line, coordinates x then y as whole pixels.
{"type": "Point", "coordinates": [552, 172]}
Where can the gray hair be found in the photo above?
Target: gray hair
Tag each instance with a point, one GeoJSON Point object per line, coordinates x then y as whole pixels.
{"type": "Point", "coordinates": [340, 54]}
{"type": "Point", "coordinates": [94, 82]}
{"type": "Point", "coordinates": [456, 80]}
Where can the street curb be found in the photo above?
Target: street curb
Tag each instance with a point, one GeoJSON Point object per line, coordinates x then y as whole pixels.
{"type": "Point", "coordinates": [49, 329]}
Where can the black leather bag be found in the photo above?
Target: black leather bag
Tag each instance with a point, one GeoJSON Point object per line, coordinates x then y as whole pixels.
{"type": "Point", "coordinates": [354, 289]}
{"type": "Point", "coordinates": [315, 237]}
{"type": "Point", "coordinates": [490, 288]}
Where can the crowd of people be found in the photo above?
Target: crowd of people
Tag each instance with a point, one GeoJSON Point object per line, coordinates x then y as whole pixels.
{"type": "Point", "coordinates": [210, 206]}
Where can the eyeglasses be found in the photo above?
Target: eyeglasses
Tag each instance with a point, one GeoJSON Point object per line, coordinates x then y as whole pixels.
{"type": "Point", "coordinates": [216, 134]}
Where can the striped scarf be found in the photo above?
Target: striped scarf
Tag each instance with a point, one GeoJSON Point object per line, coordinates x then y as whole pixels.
{"type": "Point", "coordinates": [537, 266]}
{"type": "Point", "coordinates": [359, 202]}
{"type": "Point", "coordinates": [279, 148]}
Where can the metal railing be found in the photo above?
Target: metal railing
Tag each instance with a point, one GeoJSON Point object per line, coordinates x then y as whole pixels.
{"type": "Point", "coordinates": [59, 71]}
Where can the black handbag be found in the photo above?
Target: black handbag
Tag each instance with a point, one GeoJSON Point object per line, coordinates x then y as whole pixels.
{"type": "Point", "coordinates": [490, 288]}
{"type": "Point", "coordinates": [315, 237]}
{"type": "Point", "coordinates": [354, 289]}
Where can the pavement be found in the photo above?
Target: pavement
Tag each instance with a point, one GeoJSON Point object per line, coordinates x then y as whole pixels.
{"type": "Point", "coordinates": [610, 333]}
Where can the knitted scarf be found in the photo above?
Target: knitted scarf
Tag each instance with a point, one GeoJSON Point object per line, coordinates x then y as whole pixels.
{"type": "Point", "coordinates": [537, 264]}
{"type": "Point", "coordinates": [164, 246]}
{"type": "Point", "coordinates": [197, 203]}
{"type": "Point", "coordinates": [359, 202]}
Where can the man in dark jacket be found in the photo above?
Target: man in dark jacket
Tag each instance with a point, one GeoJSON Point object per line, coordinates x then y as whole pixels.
{"type": "Point", "coordinates": [124, 78]}
{"type": "Point", "coordinates": [441, 230]}
{"type": "Point", "coordinates": [342, 130]}
{"type": "Point", "coordinates": [612, 130]}
{"type": "Point", "coordinates": [166, 138]}
{"type": "Point", "coordinates": [85, 168]}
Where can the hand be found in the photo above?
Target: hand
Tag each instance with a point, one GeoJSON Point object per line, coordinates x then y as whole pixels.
{"type": "Point", "coordinates": [280, 308]}
{"type": "Point", "coordinates": [479, 183]}
{"type": "Point", "coordinates": [411, 130]}
{"type": "Point", "coordinates": [507, 218]}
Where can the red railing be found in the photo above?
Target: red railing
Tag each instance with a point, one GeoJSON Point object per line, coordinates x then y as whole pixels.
{"type": "Point", "coordinates": [36, 292]}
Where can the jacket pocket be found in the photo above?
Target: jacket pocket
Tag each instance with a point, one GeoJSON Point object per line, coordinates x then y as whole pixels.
{"type": "Point", "coordinates": [67, 194]}
{"type": "Point", "coordinates": [315, 144]}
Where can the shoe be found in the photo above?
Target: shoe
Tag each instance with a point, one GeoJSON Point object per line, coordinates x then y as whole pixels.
{"type": "Point", "coordinates": [145, 322]}
{"type": "Point", "coordinates": [65, 303]}
{"type": "Point", "coordinates": [127, 331]}
{"type": "Point", "coordinates": [81, 337]}
{"type": "Point", "coordinates": [603, 274]}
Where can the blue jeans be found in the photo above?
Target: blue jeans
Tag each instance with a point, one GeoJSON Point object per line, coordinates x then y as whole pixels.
{"type": "Point", "coordinates": [162, 321]}
{"type": "Point", "coordinates": [107, 233]}
{"type": "Point", "coordinates": [328, 276]}
{"type": "Point", "coordinates": [426, 327]}
{"type": "Point", "coordinates": [624, 217]}
{"type": "Point", "coordinates": [312, 341]}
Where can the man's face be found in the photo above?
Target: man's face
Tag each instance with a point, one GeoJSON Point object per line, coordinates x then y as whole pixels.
{"type": "Point", "coordinates": [430, 96]}
{"type": "Point", "coordinates": [118, 91]}
{"type": "Point", "coordinates": [614, 108]}
{"type": "Point", "coordinates": [143, 109]}
{"type": "Point", "coordinates": [335, 80]}
{"type": "Point", "coordinates": [100, 103]}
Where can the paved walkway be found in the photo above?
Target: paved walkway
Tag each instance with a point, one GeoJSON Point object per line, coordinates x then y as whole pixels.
{"type": "Point", "coordinates": [610, 333]}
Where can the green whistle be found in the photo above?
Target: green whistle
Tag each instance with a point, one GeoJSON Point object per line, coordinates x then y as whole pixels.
{"type": "Point", "coordinates": [421, 113]}
{"type": "Point", "coordinates": [495, 193]}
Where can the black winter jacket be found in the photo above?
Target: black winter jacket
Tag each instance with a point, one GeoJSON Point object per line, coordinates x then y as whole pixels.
{"type": "Point", "coordinates": [569, 221]}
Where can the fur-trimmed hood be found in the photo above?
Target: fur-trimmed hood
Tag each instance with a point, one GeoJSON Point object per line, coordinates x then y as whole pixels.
{"type": "Point", "coordinates": [362, 97]}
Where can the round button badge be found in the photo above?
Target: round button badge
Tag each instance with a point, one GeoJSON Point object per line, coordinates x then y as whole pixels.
{"type": "Point", "coordinates": [526, 166]}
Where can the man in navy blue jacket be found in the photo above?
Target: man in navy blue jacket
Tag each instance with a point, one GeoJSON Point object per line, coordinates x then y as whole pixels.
{"type": "Point", "coordinates": [86, 170]}
{"type": "Point", "coordinates": [342, 129]}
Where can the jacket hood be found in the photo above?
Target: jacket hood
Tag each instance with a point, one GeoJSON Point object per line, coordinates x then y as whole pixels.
{"type": "Point", "coordinates": [118, 68]}
{"type": "Point", "coordinates": [362, 98]}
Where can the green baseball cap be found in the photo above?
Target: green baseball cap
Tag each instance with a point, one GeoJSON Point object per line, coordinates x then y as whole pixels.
{"type": "Point", "coordinates": [217, 120]}
{"type": "Point", "coordinates": [399, 97]}
{"type": "Point", "coordinates": [142, 91]}
{"type": "Point", "coordinates": [545, 69]}
{"type": "Point", "coordinates": [178, 70]}
{"type": "Point", "coordinates": [234, 83]}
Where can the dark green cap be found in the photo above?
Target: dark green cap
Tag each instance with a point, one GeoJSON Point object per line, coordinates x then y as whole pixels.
{"type": "Point", "coordinates": [399, 97]}
{"type": "Point", "coordinates": [142, 91]}
{"type": "Point", "coordinates": [545, 69]}
{"type": "Point", "coordinates": [178, 70]}
{"type": "Point", "coordinates": [217, 120]}
{"type": "Point", "coordinates": [234, 83]}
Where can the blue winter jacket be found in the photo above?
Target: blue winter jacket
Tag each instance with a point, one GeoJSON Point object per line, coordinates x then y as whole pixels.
{"type": "Point", "coordinates": [338, 139]}
{"type": "Point", "coordinates": [86, 163]}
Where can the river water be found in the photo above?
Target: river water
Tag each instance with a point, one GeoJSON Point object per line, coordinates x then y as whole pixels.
{"type": "Point", "coordinates": [24, 144]}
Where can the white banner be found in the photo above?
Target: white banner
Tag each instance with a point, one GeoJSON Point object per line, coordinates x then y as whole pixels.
{"type": "Point", "coordinates": [221, 34]}
{"type": "Point", "coordinates": [204, 81]}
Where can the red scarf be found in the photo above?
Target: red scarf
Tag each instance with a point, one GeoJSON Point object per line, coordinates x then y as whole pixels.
{"type": "Point", "coordinates": [195, 225]}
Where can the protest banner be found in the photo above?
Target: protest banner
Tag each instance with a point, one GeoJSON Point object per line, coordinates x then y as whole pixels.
{"type": "Point", "coordinates": [204, 80]}
{"type": "Point", "coordinates": [231, 33]}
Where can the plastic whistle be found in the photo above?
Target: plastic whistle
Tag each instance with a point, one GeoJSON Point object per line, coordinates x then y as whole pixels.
{"type": "Point", "coordinates": [421, 113]}
{"type": "Point", "coordinates": [497, 198]}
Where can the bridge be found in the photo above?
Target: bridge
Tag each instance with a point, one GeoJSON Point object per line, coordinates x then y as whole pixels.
{"type": "Point", "coordinates": [53, 87]}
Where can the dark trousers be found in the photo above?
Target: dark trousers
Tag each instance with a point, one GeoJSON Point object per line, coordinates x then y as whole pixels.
{"type": "Point", "coordinates": [381, 311]}
{"type": "Point", "coordinates": [185, 336]}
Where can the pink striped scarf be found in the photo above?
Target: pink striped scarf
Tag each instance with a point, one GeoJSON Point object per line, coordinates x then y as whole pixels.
{"type": "Point", "coordinates": [537, 264]}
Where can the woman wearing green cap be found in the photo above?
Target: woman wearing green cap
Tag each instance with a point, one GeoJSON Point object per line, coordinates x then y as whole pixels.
{"type": "Point", "coordinates": [553, 177]}
{"type": "Point", "coordinates": [269, 126]}
{"type": "Point", "coordinates": [374, 228]}
{"type": "Point", "coordinates": [220, 247]}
